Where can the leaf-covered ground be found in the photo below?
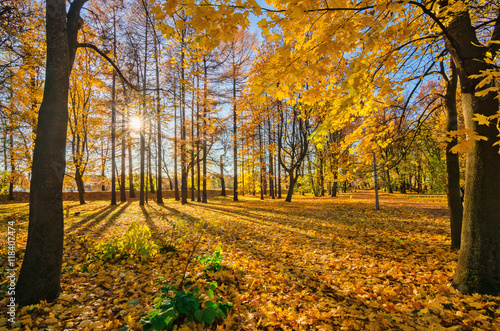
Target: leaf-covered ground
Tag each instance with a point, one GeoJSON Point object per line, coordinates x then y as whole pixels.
{"type": "Point", "coordinates": [312, 264]}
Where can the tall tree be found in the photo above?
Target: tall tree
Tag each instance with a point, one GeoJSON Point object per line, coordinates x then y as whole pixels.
{"type": "Point", "coordinates": [113, 118]}
{"type": "Point", "coordinates": [452, 159]}
{"type": "Point", "coordinates": [40, 274]}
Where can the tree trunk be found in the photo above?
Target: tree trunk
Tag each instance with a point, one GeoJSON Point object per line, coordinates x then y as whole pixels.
{"type": "Point", "coordinates": [321, 174]}
{"type": "Point", "coordinates": [222, 181]}
{"type": "Point", "coordinates": [113, 119]}
{"type": "Point", "coordinates": [261, 161]}
{"type": "Point", "coordinates": [377, 207]}
{"type": "Point", "coordinates": [176, 180]}
{"type": "Point", "coordinates": [79, 185]}
{"type": "Point", "coordinates": [198, 159]}
{"type": "Point", "coordinates": [130, 170]}
{"type": "Point", "coordinates": [402, 187]}
{"type": "Point", "coordinates": [205, 100]}
{"type": "Point", "coordinates": [159, 197]}
{"type": "Point", "coordinates": [12, 167]}
{"type": "Point", "coordinates": [293, 179]}
{"type": "Point", "coordinates": [123, 196]}
{"type": "Point", "coordinates": [478, 268]}
{"type": "Point", "coordinates": [389, 184]}
{"type": "Point", "coordinates": [452, 159]}
{"type": "Point", "coordinates": [235, 137]}
{"type": "Point", "coordinates": [40, 274]}
{"type": "Point", "coordinates": [184, 165]}
{"type": "Point", "coordinates": [270, 151]}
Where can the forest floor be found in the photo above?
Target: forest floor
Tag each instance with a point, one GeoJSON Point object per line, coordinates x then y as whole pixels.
{"type": "Point", "coordinates": [312, 264]}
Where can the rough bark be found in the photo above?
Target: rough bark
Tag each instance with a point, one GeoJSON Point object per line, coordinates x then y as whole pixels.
{"type": "Point", "coordinates": [40, 274]}
{"type": "Point", "coordinates": [478, 268]}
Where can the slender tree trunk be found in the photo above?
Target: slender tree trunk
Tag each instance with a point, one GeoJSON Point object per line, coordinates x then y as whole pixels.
{"type": "Point", "coordinates": [270, 151]}
{"type": "Point", "coordinates": [279, 154]}
{"type": "Point", "coordinates": [79, 184]}
{"type": "Point", "coordinates": [150, 165]}
{"type": "Point", "coordinates": [113, 120]}
{"type": "Point", "coordinates": [205, 100]}
{"type": "Point", "coordinates": [130, 168]}
{"type": "Point", "coordinates": [389, 184]}
{"type": "Point", "coordinates": [143, 118]}
{"type": "Point", "coordinates": [123, 196]}
{"type": "Point", "coordinates": [198, 159]}
{"type": "Point", "coordinates": [192, 163]}
{"type": "Point", "coordinates": [321, 174]}
{"type": "Point", "coordinates": [176, 180]}
{"type": "Point", "coordinates": [222, 181]}
{"type": "Point", "coordinates": [242, 171]}
{"type": "Point", "coordinates": [377, 207]}
{"type": "Point", "coordinates": [452, 159]}
{"type": "Point", "coordinates": [235, 136]}
{"type": "Point", "coordinates": [184, 165]}
{"type": "Point", "coordinates": [261, 163]}
{"type": "Point", "coordinates": [12, 166]}
{"type": "Point", "coordinates": [159, 197]}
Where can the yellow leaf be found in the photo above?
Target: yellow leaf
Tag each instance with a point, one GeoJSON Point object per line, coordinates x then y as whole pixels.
{"type": "Point", "coordinates": [463, 147]}
{"type": "Point", "coordinates": [481, 119]}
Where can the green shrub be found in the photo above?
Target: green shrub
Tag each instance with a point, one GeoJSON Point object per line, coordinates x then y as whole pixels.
{"type": "Point", "coordinates": [211, 262]}
{"type": "Point", "coordinates": [135, 243]}
{"type": "Point", "coordinates": [176, 306]}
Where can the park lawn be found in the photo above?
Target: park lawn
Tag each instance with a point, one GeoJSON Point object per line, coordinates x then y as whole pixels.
{"type": "Point", "coordinates": [312, 264]}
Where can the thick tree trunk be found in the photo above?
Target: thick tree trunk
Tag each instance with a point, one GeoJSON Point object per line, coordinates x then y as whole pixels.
{"type": "Point", "coordinates": [40, 274]}
{"type": "Point", "coordinates": [478, 268]}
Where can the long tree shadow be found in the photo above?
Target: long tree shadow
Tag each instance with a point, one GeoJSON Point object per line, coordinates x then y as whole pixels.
{"type": "Point", "coordinates": [104, 211]}
{"type": "Point", "coordinates": [113, 217]}
{"type": "Point", "coordinates": [152, 225]}
{"type": "Point", "coordinates": [357, 231]}
{"type": "Point", "coordinates": [330, 218]}
{"type": "Point", "coordinates": [91, 221]}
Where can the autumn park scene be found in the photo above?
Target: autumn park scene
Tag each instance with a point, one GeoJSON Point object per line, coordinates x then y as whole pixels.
{"type": "Point", "coordinates": [250, 165]}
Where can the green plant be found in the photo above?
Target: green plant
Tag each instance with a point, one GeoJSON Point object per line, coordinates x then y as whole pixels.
{"type": "Point", "coordinates": [134, 243]}
{"type": "Point", "coordinates": [173, 306]}
{"type": "Point", "coordinates": [211, 262]}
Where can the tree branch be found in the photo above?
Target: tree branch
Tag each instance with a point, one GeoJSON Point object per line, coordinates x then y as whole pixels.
{"type": "Point", "coordinates": [101, 53]}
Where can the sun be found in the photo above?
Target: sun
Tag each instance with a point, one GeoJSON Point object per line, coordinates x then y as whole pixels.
{"type": "Point", "coordinates": [135, 123]}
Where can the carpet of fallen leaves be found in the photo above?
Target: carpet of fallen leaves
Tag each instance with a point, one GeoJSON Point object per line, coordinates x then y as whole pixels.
{"type": "Point", "coordinates": [312, 264]}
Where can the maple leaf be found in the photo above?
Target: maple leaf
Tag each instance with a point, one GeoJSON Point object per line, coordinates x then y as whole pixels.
{"type": "Point", "coordinates": [481, 119]}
